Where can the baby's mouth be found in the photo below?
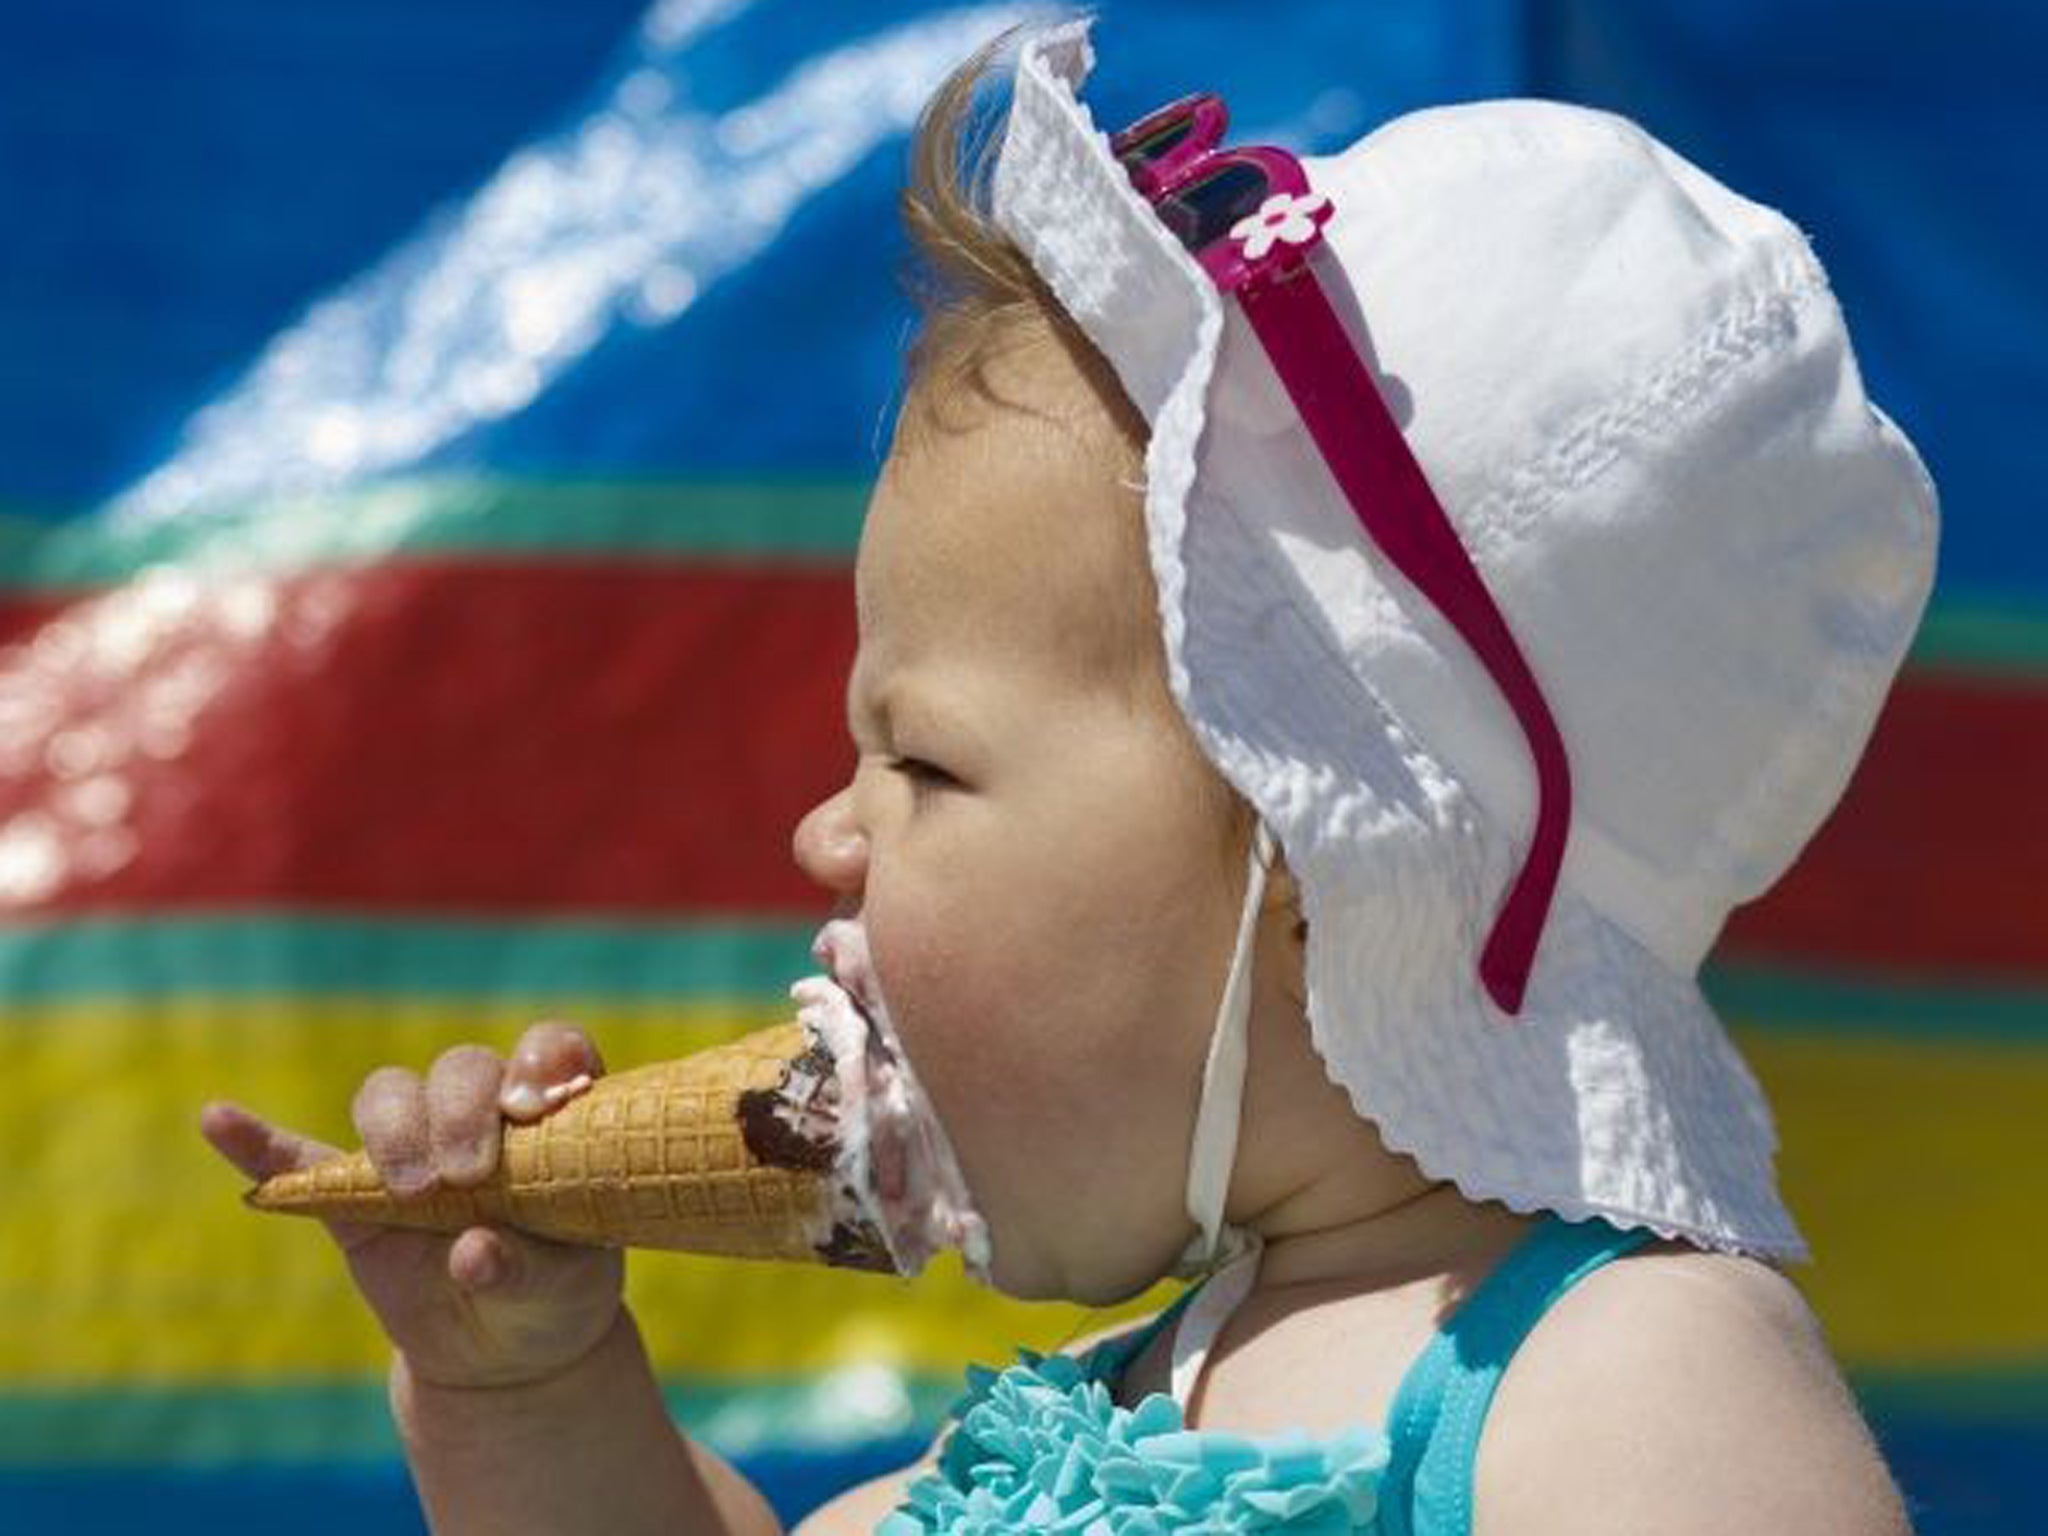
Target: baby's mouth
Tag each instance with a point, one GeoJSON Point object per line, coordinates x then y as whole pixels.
{"type": "Point", "coordinates": [896, 1163]}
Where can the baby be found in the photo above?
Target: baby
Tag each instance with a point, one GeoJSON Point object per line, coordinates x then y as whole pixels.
{"type": "Point", "coordinates": [1336, 638]}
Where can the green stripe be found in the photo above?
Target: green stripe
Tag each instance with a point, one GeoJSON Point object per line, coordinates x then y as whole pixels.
{"type": "Point", "coordinates": [546, 961]}
{"type": "Point", "coordinates": [814, 519]}
{"type": "Point", "coordinates": [817, 520]}
{"type": "Point", "coordinates": [127, 958]}
{"type": "Point", "coordinates": [1978, 637]}
{"type": "Point", "coordinates": [351, 1420]}
{"type": "Point", "coordinates": [1787, 1000]}
{"type": "Point", "coordinates": [2009, 1394]}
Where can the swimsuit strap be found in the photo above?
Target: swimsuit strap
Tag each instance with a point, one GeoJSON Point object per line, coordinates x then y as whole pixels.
{"type": "Point", "coordinates": [1220, 1295]}
{"type": "Point", "coordinates": [1196, 1317]}
{"type": "Point", "coordinates": [1441, 1406]}
{"type": "Point", "coordinates": [1107, 1361]}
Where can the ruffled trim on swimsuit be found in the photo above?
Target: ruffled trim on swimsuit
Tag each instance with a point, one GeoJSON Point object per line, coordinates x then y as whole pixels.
{"type": "Point", "coordinates": [1042, 1447]}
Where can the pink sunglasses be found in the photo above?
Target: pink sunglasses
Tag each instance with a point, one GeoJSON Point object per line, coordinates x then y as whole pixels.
{"type": "Point", "coordinates": [1248, 216]}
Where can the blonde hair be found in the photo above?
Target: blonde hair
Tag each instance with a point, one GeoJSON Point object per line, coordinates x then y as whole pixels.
{"type": "Point", "coordinates": [978, 296]}
{"type": "Point", "coordinates": [975, 290]}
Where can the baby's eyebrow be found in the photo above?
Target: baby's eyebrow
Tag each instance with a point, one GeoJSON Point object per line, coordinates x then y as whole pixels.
{"type": "Point", "coordinates": [900, 696]}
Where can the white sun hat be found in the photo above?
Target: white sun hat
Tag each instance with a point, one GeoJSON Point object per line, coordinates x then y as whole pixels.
{"type": "Point", "coordinates": [1633, 394]}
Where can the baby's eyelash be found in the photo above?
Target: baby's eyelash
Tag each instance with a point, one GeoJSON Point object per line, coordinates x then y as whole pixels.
{"type": "Point", "coordinates": [921, 772]}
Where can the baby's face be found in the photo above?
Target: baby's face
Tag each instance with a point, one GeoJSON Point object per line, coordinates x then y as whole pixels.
{"type": "Point", "coordinates": [1029, 845]}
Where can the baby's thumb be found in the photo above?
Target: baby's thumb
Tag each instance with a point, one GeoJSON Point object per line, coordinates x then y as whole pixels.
{"type": "Point", "coordinates": [510, 1265]}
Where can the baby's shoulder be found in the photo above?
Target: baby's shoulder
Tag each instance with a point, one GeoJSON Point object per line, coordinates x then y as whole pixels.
{"type": "Point", "coordinates": [1632, 1302]}
{"type": "Point", "coordinates": [1679, 1391]}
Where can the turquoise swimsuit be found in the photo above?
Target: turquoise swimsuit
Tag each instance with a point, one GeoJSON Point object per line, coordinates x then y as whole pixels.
{"type": "Point", "coordinates": [1042, 1447]}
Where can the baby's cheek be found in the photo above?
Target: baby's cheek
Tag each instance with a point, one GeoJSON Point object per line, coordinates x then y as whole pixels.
{"type": "Point", "coordinates": [963, 1017]}
{"type": "Point", "coordinates": [955, 1007]}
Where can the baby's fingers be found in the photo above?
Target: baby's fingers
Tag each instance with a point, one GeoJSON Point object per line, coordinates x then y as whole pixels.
{"type": "Point", "coordinates": [552, 1063]}
{"type": "Point", "coordinates": [390, 1114]}
{"type": "Point", "coordinates": [255, 1146]}
{"type": "Point", "coordinates": [462, 1112]}
{"type": "Point", "coordinates": [262, 1150]}
{"type": "Point", "coordinates": [516, 1266]}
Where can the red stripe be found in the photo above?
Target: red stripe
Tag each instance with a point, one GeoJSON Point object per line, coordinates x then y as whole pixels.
{"type": "Point", "coordinates": [1937, 858]}
{"type": "Point", "coordinates": [576, 737]}
{"type": "Point", "coordinates": [601, 737]}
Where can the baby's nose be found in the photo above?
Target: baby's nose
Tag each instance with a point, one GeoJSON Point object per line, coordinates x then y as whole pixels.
{"type": "Point", "coordinates": [830, 848]}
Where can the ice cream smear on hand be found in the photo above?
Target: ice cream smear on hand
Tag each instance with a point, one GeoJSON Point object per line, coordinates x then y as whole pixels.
{"type": "Point", "coordinates": [895, 1172]}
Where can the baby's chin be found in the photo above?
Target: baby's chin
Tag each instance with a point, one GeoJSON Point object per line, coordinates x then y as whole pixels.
{"type": "Point", "coordinates": [1053, 1266]}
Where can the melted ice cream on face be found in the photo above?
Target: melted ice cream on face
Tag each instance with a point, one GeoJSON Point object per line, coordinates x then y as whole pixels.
{"type": "Point", "coordinates": [896, 1170]}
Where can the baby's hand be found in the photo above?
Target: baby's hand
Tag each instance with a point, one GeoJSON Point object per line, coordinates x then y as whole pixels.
{"type": "Point", "coordinates": [491, 1306]}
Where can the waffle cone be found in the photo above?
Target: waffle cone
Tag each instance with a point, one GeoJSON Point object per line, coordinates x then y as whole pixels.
{"type": "Point", "coordinates": [731, 1151]}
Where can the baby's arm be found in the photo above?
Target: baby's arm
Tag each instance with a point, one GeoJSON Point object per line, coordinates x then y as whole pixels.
{"type": "Point", "coordinates": [518, 1380]}
{"type": "Point", "coordinates": [1684, 1395]}
{"type": "Point", "coordinates": [591, 1449]}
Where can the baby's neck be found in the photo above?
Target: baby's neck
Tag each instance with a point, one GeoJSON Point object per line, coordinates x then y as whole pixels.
{"type": "Point", "coordinates": [1322, 1239]}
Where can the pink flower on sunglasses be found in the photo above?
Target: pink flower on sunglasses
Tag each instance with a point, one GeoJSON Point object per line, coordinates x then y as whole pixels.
{"type": "Point", "coordinates": [1281, 217]}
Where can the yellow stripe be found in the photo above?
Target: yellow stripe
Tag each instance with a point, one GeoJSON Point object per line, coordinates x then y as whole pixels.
{"type": "Point", "coordinates": [126, 1255]}
{"type": "Point", "coordinates": [1917, 1170]}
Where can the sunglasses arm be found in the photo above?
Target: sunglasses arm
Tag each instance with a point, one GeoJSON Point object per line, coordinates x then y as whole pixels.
{"type": "Point", "coordinates": [1370, 460]}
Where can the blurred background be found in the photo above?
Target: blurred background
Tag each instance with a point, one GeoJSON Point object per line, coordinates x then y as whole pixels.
{"type": "Point", "coordinates": [433, 439]}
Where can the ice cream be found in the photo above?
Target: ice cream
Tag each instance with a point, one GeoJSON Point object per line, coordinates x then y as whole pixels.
{"type": "Point", "coordinates": [893, 1150]}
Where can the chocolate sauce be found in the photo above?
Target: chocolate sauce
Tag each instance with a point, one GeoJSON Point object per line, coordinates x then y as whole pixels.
{"type": "Point", "coordinates": [808, 1092]}
{"type": "Point", "coordinates": [856, 1246]}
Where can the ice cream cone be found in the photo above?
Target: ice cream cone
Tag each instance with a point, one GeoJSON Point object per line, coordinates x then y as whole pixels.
{"type": "Point", "coordinates": [732, 1151]}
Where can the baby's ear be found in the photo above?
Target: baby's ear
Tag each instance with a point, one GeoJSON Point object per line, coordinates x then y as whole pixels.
{"type": "Point", "coordinates": [1282, 904]}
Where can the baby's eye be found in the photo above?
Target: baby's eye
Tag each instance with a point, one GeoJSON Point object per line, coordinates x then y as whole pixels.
{"type": "Point", "coordinates": [922, 775]}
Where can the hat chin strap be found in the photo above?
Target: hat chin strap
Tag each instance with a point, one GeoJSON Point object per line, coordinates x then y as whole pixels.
{"type": "Point", "coordinates": [1216, 1119]}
